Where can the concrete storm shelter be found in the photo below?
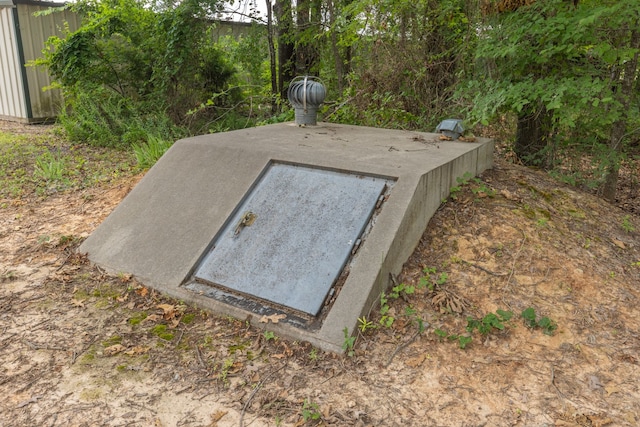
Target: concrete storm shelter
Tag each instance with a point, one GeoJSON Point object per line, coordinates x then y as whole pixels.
{"type": "Point", "coordinates": [298, 224]}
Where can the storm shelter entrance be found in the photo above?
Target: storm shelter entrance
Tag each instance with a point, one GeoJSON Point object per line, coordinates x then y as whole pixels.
{"type": "Point", "coordinates": [290, 238]}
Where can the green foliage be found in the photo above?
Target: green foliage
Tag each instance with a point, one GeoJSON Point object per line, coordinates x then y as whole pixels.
{"type": "Point", "coordinates": [349, 343]}
{"type": "Point", "coordinates": [131, 71]}
{"type": "Point", "coordinates": [463, 340]}
{"type": "Point", "coordinates": [559, 65]}
{"type": "Point", "coordinates": [49, 167]}
{"type": "Point", "coordinates": [404, 58]}
{"type": "Point", "coordinates": [401, 290]}
{"type": "Point", "coordinates": [45, 163]}
{"type": "Point", "coordinates": [476, 185]}
{"type": "Point", "coordinates": [310, 411]}
{"type": "Point", "coordinates": [496, 322]}
{"type": "Point", "coordinates": [249, 55]}
{"type": "Point", "coordinates": [489, 322]}
{"type": "Point", "coordinates": [386, 320]}
{"type": "Point", "coordinates": [147, 154]}
{"type": "Point", "coordinates": [313, 354]}
{"type": "Point", "coordinates": [269, 336]}
{"type": "Point", "coordinates": [627, 225]}
{"type": "Point", "coordinates": [364, 324]}
{"type": "Point", "coordinates": [432, 278]}
{"type": "Point", "coordinates": [547, 325]}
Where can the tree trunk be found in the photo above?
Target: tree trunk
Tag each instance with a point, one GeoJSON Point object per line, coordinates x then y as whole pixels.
{"type": "Point", "coordinates": [335, 49]}
{"type": "Point", "coordinates": [307, 19]}
{"type": "Point", "coordinates": [341, 55]}
{"type": "Point", "coordinates": [532, 136]}
{"type": "Point", "coordinates": [285, 45]}
{"type": "Point", "coordinates": [272, 59]}
{"type": "Point", "coordinates": [618, 130]}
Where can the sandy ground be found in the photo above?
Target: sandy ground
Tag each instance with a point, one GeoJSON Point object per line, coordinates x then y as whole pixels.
{"type": "Point", "coordinates": [81, 348]}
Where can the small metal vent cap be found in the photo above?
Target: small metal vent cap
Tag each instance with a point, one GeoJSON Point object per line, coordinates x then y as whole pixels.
{"type": "Point", "coordinates": [306, 94]}
{"type": "Point", "coordinates": [451, 128]}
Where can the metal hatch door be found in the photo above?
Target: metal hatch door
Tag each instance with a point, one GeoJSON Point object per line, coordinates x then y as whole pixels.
{"type": "Point", "coordinates": [292, 235]}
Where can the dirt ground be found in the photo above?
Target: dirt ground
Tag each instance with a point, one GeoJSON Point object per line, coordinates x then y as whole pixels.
{"type": "Point", "coordinates": [79, 347]}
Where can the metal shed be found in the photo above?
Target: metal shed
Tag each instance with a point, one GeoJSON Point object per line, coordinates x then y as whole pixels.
{"type": "Point", "coordinates": [22, 39]}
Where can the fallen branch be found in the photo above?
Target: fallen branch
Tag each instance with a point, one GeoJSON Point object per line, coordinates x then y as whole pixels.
{"type": "Point", "coordinates": [493, 273]}
{"type": "Point", "coordinates": [24, 403]}
{"type": "Point", "coordinates": [402, 347]}
{"type": "Point", "coordinates": [255, 390]}
{"type": "Point", "coordinates": [36, 346]}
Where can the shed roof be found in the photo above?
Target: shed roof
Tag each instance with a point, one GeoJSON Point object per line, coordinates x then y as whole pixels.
{"type": "Point", "coordinates": [11, 3]}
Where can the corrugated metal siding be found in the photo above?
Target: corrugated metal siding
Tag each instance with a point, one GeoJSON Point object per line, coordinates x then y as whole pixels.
{"type": "Point", "coordinates": [35, 30]}
{"type": "Point", "coordinates": [12, 99]}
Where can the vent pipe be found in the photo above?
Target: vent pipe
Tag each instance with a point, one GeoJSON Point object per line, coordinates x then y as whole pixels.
{"type": "Point", "coordinates": [306, 94]}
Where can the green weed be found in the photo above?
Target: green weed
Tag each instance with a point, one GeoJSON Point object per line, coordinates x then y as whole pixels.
{"type": "Point", "coordinates": [476, 185]}
{"type": "Point", "coordinates": [489, 322]}
{"type": "Point", "coordinates": [39, 164]}
{"type": "Point", "coordinates": [627, 225]}
{"type": "Point", "coordinates": [224, 371]}
{"type": "Point", "coordinates": [310, 411]}
{"type": "Point", "coordinates": [431, 278]}
{"type": "Point", "coordinates": [385, 319]}
{"type": "Point", "coordinates": [349, 343]}
{"type": "Point", "coordinates": [149, 153]}
{"type": "Point", "coordinates": [364, 324]}
{"type": "Point", "coordinates": [313, 354]}
{"type": "Point", "coordinates": [49, 167]}
{"type": "Point", "coordinates": [496, 321]}
{"type": "Point", "coordinates": [547, 325]}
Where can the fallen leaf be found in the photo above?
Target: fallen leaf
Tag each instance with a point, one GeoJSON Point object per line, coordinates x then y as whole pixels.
{"type": "Point", "coordinates": [612, 388]}
{"type": "Point", "coordinates": [274, 318]}
{"type": "Point", "coordinates": [414, 362]}
{"type": "Point", "coordinates": [168, 310]}
{"type": "Point", "coordinates": [122, 298]}
{"type": "Point", "coordinates": [217, 416]}
{"type": "Point", "coordinates": [599, 420]}
{"type": "Point", "coordinates": [619, 243]}
{"type": "Point", "coordinates": [142, 291]}
{"type": "Point", "coordinates": [152, 318]}
{"type": "Point", "coordinates": [136, 350]}
{"type": "Point", "coordinates": [508, 195]}
{"type": "Point", "coordinates": [77, 303]}
{"type": "Point", "coordinates": [630, 416]}
{"type": "Point", "coordinates": [112, 350]}
{"type": "Point", "coordinates": [326, 411]}
{"type": "Point", "coordinates": [278, 356]}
